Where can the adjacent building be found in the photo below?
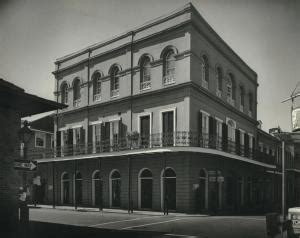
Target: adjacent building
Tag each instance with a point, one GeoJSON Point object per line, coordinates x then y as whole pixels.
{"type": "Point", "coordinates": [163, 114]}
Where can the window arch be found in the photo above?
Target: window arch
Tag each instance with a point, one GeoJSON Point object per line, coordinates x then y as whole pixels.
{"type": "Point", "coordinates": [64, 93]}
{"type": "Point", "coordinates": [205, 71]}
{"type": "Point", "coordinates": [115, 188]}
{"type": "Point", "coordinates": [114, 81]}
{"type": "Point", "coordinates": [145, 73]}
{"type": "Point", "coordinates": [76, 92]}
{"type": "Point", "coordinates": [145, 186]}
{"type": "Point", "coordinates": [96, 86]}
{"type": "Point", "coordinates": [169, 67]}
{"type": "Point", "coordinates": [168, 186]}
{"type": "Point", "coordinates": [219, 80]}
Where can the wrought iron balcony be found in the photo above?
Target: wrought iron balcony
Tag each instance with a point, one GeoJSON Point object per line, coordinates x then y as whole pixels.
{"type": "Point", "coordinates": [97, 97]}
{"type": "Point", "coordinates": [76, 102]}
{"type": "Point", "coordinates": [169, 79]}
{"type": "Point", "coordinates": [145, 85]}
{"type": "Point", "coordinates": [141, 142]}
{"type": "Point", "coordinates": [114, 93]}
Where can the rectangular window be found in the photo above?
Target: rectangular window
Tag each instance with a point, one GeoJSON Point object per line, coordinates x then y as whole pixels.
{"type": "Point", "coordinates": [40, 139]}
{"type": "Point", "coordinates": [145, 130]}
{"type": "Point", "coordinates": [242, 138]}
{"type": "Point", "coordinates": [77, 136]}
{"type": "Point", "coordinates": [205, 122]}
{"type": "Point", "coordinates": [97, 133]}
{"type": "Point", "coordinates": [168, 128]}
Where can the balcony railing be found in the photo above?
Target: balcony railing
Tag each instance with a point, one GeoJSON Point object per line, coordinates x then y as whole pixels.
{"type": "Point", "coordinates": [219, 93]}
{"type": "Point", "coordinates": [230, 101]}
{"type": "Point", "coordinates": [97, 97]}
{"type": "Point", "coordinates": [205, 84]}
{"type": "Point", "coordinates": [138, 142]}
{"type": "Point", "coordinates": [169, 79]}
{"type": "Point", "coordinates": [145, 85]}
{"type": "Point", "coordinates": [76, 102]}
{"type": "Point", "coordinates": [114, 93]}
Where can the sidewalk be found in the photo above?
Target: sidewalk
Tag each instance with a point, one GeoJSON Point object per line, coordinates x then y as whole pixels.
{"type": "Point", "coordinates": [119, 211]}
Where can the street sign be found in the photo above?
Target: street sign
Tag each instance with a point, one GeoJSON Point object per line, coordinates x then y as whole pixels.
{"type": "Point", "coordinates": [27, 165]}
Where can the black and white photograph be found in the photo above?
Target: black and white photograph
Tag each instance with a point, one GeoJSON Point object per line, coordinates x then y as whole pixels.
{"type": "Point", "coordinates": [150, 118]}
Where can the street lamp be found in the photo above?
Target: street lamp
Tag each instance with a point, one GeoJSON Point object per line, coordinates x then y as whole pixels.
{"type": "Point", "coordinates": [25, 135]}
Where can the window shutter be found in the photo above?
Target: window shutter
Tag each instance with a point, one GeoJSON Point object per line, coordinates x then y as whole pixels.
{"type": "Point", "coordinates": [246, 146]}
{"type": "Point", "coordinates": [224, 136]}
{"type": "Point", "coordinates": [211, 132]}
{"type": "Point", "coordinates": [58, 143]}
{"type": "Point", "coordinates": [254, 147]}
{"type": "Point", "coordinates": [82, 136]}
{"type": "Point", "coordinates": [237, 142]}
{"type": "Point", "coordinates": [70, 137]}
{"type": "Point", "coordinates": [90, 134]}
{"type": "Point", "coordinates": [200, 141]}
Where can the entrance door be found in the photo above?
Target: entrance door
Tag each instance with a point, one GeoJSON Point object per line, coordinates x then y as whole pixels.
{"type": "Point", "coordinates": [98, 193]}
{"type": "Point", "coordinates": [168, 128]}
{"type": "Point", "coordinates": [78, 188]}
{"type": "Point", "coordinates": [169, 187]}
{"type": "Point", "coordinates": [66, 192]}
{"type": "Point", "coordinates": [145, 130]}
{"type": "Point", "coordinates": [116, 192]}
{"type": "Point", "coordinates": [146, 193]}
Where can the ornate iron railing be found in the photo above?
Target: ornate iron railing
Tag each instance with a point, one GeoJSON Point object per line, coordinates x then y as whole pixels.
{"type": "Point", "coordinates": [139, 142]}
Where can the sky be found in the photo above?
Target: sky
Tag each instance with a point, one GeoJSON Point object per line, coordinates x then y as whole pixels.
{"type": "Point", "coordinates": [264, 33]}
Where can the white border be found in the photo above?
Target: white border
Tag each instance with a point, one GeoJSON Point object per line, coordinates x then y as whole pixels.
{"type": "Point", "coordinates": [174, 121]}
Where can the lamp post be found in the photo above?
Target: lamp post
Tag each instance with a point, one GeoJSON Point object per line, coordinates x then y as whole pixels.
{"type": "Point", "coordinates": [25, 135]}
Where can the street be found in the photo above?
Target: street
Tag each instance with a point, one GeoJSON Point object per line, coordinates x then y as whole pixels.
{"type": "Point", "coordinates": [177, 225]}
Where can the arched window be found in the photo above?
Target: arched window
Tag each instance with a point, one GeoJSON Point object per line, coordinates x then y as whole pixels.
{"type": "Point", "coordinates": [145, 189]}
{"type": "Point", "coordinates": [97, 189]}
{"type": "Point", "coordinates": [76, 92]}
{"type": "Point", "coordinates": [65, 188]}
{"type": "Point", "coordinates": [168, 186]}
{"type": "Point", "coordinates": [97, 86]}
{"type": "Point", "coordinates": [169, 67]}
{"type": "Point", "coordinates": [205, 71]}
{"type": "Point", "coordinates": [242, 98]}
{"type": "Point", "coordinates": [250, 104]}
{"type": "Point", "coordinates": [115, 189]}
{"type": "Point", "coordinates": [145, 69]}
{"type": "Point", "coordinates": [219, 81]}
{"type": "Point", "coordinates": [230, 85]}
{"type": "Point", "coordinates": [64, 93]}
{"type": "Point", "coordinates": [78, 188]}
{"type": "Point", "coordinates": [114, 81]}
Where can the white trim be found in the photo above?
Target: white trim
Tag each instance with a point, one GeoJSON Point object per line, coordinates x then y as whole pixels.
{"type": "Point", "coordinates": [63, 128]}
{"type": "Point", "coordinates": [162, 186]}
{"type": "Point", "coordinates": [173, 109]}
{"type": "Point", "coordinates": [159, 150]}
{"type": "Point", "coordinates": [219, 120]}
{"type": "Point", "coordinates": [76, 126]}
{"type": "Point", "coordinates": [91, 123]}
{"type": "Point", "coordinates": [114, 119]}
{"type": "Point", "coordinates": [139, 185]}
{"type": "Point", "coordinates": [204, 112]}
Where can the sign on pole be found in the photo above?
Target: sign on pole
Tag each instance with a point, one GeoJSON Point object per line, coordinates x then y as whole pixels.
{"type": "Point", "coordinates": [27, 165]}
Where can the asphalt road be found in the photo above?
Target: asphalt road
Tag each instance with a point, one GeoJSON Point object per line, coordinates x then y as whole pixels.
{"type": "Point", "coordinates": [172, 225]}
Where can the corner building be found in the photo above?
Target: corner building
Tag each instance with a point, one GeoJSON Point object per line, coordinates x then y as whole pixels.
{"type": "Point", "coordinates": [165, 113]}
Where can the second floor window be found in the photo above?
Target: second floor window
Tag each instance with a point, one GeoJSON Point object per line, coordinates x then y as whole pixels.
{"type": "Point", "coordinates": [114, 82]}
{"type": "Point", "coordinates": [40, 139]}
{"type": "Point", "coordinates": [64, 93]}
{"type": "Point", "coordinates": [169, 67]}
{"type": "Point", "coordinates": [76, 92]}
{"type": "Point", "coordinates": [205, 71]}
{"type": "Point", "coordinates": [96, 86]}
{"type": "Point", "coordinates": [250, 104]}
{"type": "Point", "coordinates": [145, 74]}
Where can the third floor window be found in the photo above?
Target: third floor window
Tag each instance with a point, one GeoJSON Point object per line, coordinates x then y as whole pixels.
{"type": "Point", "coordinates": [145, 74]}
{"type": "Point", "coordinates": [64, 93]}
{"type": "Point", "coordinates": [96, 86]}
{"type": "Point", "coordinates": [169, 68]}
{"type": "Point", "coordinates": [205, 71]}
{"type": "Point", "coordinates": [76, 92]}
{"type": "Point", "coordinates": [114, 82]}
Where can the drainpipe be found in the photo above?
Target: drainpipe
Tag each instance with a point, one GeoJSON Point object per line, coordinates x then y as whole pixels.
{"type": "Point", "coordinates": [88, 101]}
{"type": "Point", "coordinates": [131, 78]}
